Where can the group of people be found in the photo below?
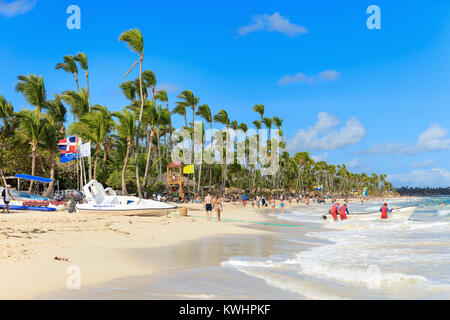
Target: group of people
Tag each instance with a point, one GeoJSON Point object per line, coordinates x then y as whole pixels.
{"type": "Point", "coordinates": [342, 211]}
{"type": "Point", "coordinates": [211, 204]}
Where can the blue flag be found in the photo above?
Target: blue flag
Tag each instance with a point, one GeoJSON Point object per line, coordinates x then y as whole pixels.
{"type": "Point", "coordinates": [67, 157]}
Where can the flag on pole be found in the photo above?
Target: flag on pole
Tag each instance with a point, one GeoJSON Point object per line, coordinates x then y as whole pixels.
{"type": "Point", "coordinates": [67, 157]}
{"type": "Point", "coordinates": [69, 145]}
{"type": "Point", "coordinates": [85, 150]}
{"type": "Point", "coordinates": [188, 169]}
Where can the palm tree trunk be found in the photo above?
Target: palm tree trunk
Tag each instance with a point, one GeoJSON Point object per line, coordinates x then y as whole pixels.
{"type": "Point", "coordinates": [3, 177]}
{"type": "Point", "coordinates": [105, 157]}
{"type": "Point", "coordinates": [147, 163]}
{"type": "Point", "coordinates": [138, 182]}
{"type": "Point", "coordinates": [159, 155]}
{"type": "Point", "coordinates": [52, 174]}
{"type": "Point", "coordinates": [200, 170]}
{"type": "Point", "coordinates": [97, 153]}
{"type": "Point", "coordinates": [124, 169]}
{"type": "Point", "coordinates": [33, 165]}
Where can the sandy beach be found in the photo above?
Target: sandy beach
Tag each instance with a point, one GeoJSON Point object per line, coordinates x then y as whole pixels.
{"type": "Point", "coordinates": [32, 241]}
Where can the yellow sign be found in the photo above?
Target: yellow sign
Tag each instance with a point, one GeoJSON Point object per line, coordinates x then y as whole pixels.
{"type": "Point", "coordinates": [188, 169]}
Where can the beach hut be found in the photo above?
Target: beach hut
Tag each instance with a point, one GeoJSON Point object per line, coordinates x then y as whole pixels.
{"type": "Point", "coordinates": [175, 179]}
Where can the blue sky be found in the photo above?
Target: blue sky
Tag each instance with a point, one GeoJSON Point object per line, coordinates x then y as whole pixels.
{"type": "Point", "coordinates": [376, 100]}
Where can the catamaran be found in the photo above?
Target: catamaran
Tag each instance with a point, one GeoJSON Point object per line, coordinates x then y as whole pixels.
{"type": "Point", "coordinates": [105, 201]}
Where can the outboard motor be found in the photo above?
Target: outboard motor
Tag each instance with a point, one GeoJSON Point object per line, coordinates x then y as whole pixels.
{"type": "Point", "coordinates": [76, 197]}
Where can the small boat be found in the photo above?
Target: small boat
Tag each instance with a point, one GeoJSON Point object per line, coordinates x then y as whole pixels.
{"type": "Point", "coordinates": [401, 213]}
{"type": "Point", "coordinates": [105, 201]}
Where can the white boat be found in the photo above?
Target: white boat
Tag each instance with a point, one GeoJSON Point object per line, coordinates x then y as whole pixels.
{"type": "Point", "coordinates": [106, 201]}
{"type": "Point", "coordinates": [402, 213]}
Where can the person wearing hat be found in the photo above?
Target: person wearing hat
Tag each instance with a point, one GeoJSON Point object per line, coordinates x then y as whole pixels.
{"type": "Point", "coordinates": [6, 195]}
{"type": "Point", "coordinates": [384, 210]}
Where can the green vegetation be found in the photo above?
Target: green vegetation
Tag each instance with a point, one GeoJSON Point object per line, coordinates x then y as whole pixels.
{"type": "Point", "coordinates": [131, 148]}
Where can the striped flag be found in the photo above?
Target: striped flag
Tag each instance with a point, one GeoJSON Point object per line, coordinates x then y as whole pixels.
{"type": "Point", "coordinates": [69, 145]}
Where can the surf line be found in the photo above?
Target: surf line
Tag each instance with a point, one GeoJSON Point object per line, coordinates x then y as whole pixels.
{"type": "Point", "coordinates": [256, 222]}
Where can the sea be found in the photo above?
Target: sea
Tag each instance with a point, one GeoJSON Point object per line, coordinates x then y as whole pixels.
{"type": "Point", "coordinates": [304, 257]}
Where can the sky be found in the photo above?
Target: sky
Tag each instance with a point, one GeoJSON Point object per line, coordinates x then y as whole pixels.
{"type": "Point", "coordinates": [373, 99]}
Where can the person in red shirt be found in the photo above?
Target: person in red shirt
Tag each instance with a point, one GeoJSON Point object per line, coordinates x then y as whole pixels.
{"type": "Point", "coordinates": [384, 210]}
{"type": "Point", "coordinates": [343, 212]}
{"type": "Point", "coordinates": [334, 211]}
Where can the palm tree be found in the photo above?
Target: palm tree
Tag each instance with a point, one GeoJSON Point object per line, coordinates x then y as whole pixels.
{"type": "Point", "coordinates": [83, 62]}
{"type": "Point", "coordinates": [31, 131]}
{"type": "Point", "coordinates": [150, 118]}
{"type": "Point", "coordinates": [126, 129]}
{"type": "Point", "coordinates": [91, 127]}
{"type": "Point", "coordinates": [32, 88]}
{"type": "Point", "coordinates": [205, 112]}
{"type": "Point", "coordinates": [128, 90]}
{"type": "Point", "coordinates": [78, 101]}
{"type": "Point", "coordinates": [222, 117]}
{"type": "Point", "coordinates": [149, 79]}
{"type": "Point", "coordinates": [180, 109]}
{"type": "Point", "coordinates": [6, 127]}
{"type": "Point", "coordinates": [161, 95]}
{"type": "Point", "coordinates": [54, 130]}
{"type": "Point", "coordinates": [268, 123]}
{"type": "Point", "coordinates": [109, 124]}
{"type": "Point", "coordinates": [69, 65]}
{"type": "Point", "coordinates": [135, 42]}
{"type": "Point", "coordinates": [190, 100]}
{"type": "Point", "coordinates": [259, 108]}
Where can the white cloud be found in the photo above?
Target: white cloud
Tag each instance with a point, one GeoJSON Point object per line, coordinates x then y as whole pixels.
{"type": "Point", "coordinates": [169, 87]}
{"type": "Point", "coordinates": [320, 157]}
{"type": "Point", "coordinates": [272, 23]}
{"type": "Point", "coordinates": [353, 163]}
{"type": "Point", "coordinates": [424, 164]}
{"type": "Point", "coordinates": [324, 76]}
{"type": "Point", "coordinates": [433, 139]}
{"type": "Point", "coordinates": [435, 177]}
{"type": "Point", "coordinates": [323, 135]}
{"type": "Point", "coordinates": [15, 8]}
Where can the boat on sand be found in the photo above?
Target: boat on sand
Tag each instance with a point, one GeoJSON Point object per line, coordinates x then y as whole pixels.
{"type": "Point", "coordinates": [105, 201]}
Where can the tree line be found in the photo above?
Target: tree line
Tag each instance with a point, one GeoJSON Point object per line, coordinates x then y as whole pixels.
{"type": "Point", "coordinates": [132, 147]}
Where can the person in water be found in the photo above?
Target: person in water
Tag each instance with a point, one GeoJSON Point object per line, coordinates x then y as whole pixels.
{"type": "Point", "coordinates": [282, 204]}
{"type": "Point", "coordinates": [384, 211]}
{"type": "Point", "coordinates": [334, 211]}
{"type": "Point", "coordinates": [343, 211]}
{"type": "Point", "coordinates": [208, 206]}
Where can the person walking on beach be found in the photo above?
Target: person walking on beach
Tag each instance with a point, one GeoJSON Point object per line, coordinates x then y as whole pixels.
{"type": "Point", "coordinates": [282, 204]}
{"type": "Point", "coordinates": [290, 201]}
{"type": "Point", "coordinates": [218, 207]}
{"type": "Point", "coordinates": [244, 200]}
{"type": "Point", "coordinates": [6, 195]}
{"type": "Point", "coordinates": [208, 206]}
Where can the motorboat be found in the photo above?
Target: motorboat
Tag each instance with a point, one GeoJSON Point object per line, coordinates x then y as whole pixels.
{"type": "Point", "coordinates": [398, 214]}
{"type": "Point", "coordinates": [106, 201]}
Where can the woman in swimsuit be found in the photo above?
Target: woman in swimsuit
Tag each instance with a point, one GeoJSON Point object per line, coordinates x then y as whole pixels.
{"type": "Point", "coordinates": [282, 204]}
{"type": "Point", "coordinates": [218, 207]}
{"type": "Point", "coordinates": [272, 204]}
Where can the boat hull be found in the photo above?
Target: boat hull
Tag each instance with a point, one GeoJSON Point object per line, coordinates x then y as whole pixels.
{"type": "Point", "coordinates": [398, 214]}
{"type": "Point", "coordinates": [128, 212]}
